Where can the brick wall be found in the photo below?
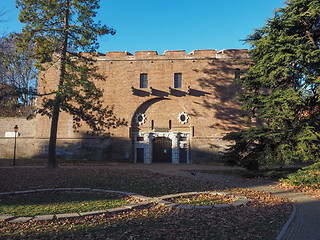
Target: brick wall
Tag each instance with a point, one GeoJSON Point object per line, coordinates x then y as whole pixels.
{"type": "Point", "coordinates": [207, 97]}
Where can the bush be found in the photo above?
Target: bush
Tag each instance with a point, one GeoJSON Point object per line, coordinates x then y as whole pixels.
{"type": "Point", "coordinates": [305, 177]}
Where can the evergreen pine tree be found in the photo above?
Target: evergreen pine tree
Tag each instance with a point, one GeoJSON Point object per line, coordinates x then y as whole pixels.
{"type": "Point", "coordinates": [282, 90]}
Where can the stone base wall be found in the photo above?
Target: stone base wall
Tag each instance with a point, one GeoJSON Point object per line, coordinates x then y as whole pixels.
{"type": "Point", "coordinates": [25, 141]}
{"type": "Point", "coordinates": [199, 149]}
{"type": "Point", "coordinates": [92, 149]}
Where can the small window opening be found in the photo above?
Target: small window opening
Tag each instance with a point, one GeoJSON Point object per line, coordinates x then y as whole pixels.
{"type": "Point", "coordinates": [169, 124]}
{"type": "Point", "coordinates": [183, 139]}
{"type": "Point", "coordinates": [143, 80]}
{"type": "Point", "coordinates": [177, 80]}
{"type": "Point", "coordinates": [152, 124]}
{"type": "Point", "coordinates": [237, 73]}
{"type": "Point", "coordinates": [140, 139]}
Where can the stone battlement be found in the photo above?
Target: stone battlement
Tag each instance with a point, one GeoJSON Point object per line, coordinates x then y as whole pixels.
{"type": "Point", "coordinates": [175, 54]}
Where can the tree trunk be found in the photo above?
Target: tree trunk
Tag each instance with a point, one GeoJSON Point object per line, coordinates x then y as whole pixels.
{"type": "Point", "coordinates": [52, 158]}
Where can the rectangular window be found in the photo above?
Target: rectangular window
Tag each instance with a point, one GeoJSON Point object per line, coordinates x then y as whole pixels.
{"type": "Point", "coordinates": [143, 80]}
{"type": "Point", "coordinates": [237, 73]}
{"type": "Point", "coordinates": [183, 139]}
{"type": "Point", "coordinates": [140, 139]}
{"type": "Point", "coordinates": [177, 80]}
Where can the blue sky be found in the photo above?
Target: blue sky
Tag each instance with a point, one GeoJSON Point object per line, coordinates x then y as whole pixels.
{"type": "Point", "coordinates": [172, 24]}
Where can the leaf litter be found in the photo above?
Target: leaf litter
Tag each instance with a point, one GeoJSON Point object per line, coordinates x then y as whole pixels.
{"type": "Point", "coordinates": [262, 218]}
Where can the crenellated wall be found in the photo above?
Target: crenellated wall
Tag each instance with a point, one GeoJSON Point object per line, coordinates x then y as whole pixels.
{"type": "Point", "coordinates": [180, 54]}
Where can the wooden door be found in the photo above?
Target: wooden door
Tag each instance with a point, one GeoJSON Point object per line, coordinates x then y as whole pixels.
{"type": "Point", "coordinates": [183, 155]}
{"type": "Point", "coordinates": [162, 149]}
{"type": "Point", "coordinates": [140, 155]}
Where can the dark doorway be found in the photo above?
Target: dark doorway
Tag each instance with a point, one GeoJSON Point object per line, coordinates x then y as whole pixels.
{"type": "Point", "coordinates": [183, 154]}
{"type": "Point", "coordinates": [140, 155]}
{"type": "Point", "coordinates": [162, 150]}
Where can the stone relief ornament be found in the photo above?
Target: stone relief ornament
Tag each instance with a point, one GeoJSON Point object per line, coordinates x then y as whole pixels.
{"type": "Point", "coordinates": [140, 118]}
{"type": "Point", "coordinates": [183, 118]}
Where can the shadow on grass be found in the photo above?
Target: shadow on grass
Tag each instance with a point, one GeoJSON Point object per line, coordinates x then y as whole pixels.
{"type": "Point", "coordinates": [62, 162]}
{"type": "Point", "coordinates": [275, 173]}
{"type": "Point", "coordinates": [52, 198]}
{"type": "Point", "coordinates": [138, 181]}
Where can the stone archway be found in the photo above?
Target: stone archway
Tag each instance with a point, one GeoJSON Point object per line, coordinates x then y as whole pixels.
{"type": "Point", "coordinates": [163, 126]}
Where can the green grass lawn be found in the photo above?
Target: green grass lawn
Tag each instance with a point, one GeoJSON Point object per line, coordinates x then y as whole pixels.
{"type": "Point", "coordinates": [203, 199]}
{"type": "Point", "coordinates": [57, 202]}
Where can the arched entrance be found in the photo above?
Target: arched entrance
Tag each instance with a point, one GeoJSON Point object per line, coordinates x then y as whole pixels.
{"type": "Point", "coordinates": [162, 150]}
{"type": "Point", "coordinates": [160, 132]}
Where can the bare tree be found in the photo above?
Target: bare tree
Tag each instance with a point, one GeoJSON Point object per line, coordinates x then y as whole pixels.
{"type": "Point", "coordinates": [18, 79]}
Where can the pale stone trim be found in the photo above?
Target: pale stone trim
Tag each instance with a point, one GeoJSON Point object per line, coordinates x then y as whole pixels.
{"type": "Point", "coordinates": [146, 144]}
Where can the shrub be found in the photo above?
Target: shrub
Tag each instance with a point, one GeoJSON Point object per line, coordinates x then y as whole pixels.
{"type": "Point", "coordinates": [305, 177]}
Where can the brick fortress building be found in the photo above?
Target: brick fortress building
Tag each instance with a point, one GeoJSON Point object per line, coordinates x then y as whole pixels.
{"type": "Point", "coordinates": [178, 107]}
